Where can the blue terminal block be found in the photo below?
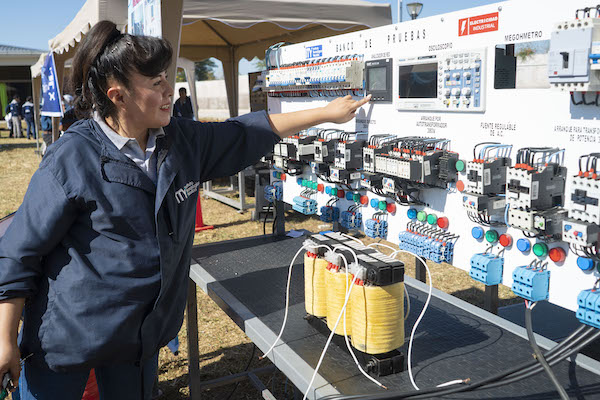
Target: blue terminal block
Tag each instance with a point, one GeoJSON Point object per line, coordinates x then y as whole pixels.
{"type": "Point", "coordinates": [329, 214]}
{"type": "Point", "coordinates": [350, 219]}
{"type": "Point", "coordinates": [427, 247]}
{"type": "Point", "coordinates": [589, 307]}
{"type": "Point", "coordinates": [304, 205]}
{"type": "Point", "coordinates": [531, 283]}
{"type": "Point", "coordinates": [375, 228]}
{"type": "Point", "coordinates": [487, 268]}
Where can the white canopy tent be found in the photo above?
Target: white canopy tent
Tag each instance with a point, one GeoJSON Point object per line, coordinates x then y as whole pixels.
{"type": "Point", "coordinates": [238, 29]}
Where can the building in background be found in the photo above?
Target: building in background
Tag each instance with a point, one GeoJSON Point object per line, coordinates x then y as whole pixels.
{"type": "Point", "coordinates": [15, 72]}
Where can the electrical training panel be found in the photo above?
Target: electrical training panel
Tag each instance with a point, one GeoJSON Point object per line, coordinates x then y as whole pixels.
{"type": "Point", "coordinates": [479, 147]}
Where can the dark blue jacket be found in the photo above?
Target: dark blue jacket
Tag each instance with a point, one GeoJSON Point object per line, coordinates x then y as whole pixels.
{"type": "Point", "coordinates": [27, 111]}
{"type": "Point", "coordinates": [101, 253]}
{"type": "Point", "coordinates": [14, 108]}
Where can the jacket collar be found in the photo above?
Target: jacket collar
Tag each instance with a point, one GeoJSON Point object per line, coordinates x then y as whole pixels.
{"type": "Point", "coordinates": [117, 167]}
{"type": "Point", "coordinates": [168, 161]}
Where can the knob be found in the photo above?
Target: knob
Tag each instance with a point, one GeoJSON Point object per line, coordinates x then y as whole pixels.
{"type": "Point", "coordinates": [456, 75]}
{"type": "Point", "coordinates": [447, 75]}
{"type": "Point", "coordinates": [455, 92]}
{"type": "Point", "coordinates": [466, 91]}
{"type": "Point", "coordinates": [467, 75]}
{"type": "Point", "coordinates": [447, 92]}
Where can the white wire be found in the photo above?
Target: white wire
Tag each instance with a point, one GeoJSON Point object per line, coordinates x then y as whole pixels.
{"type": "Point", "coordinates": [384, 245]}
{"type": "Point", "coordinates": [455, 382]}
{"type": "Point", "coordinates": [412, 334]}
{"type": "Point", "coordinates": [287, 296]}
{"type": "Point", "coordinates": [352, 237]}
{"type": "Point", "coordinates": [346, 248]}
{"type": "Point", "coordinates": [348, 290]}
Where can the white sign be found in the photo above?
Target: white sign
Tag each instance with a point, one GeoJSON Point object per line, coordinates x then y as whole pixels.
{"type": "Point", "coordinates": [144, 18]}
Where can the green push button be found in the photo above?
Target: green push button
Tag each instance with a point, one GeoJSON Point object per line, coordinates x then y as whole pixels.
{"type": "Point", "coordinates": [491, 236]}
{"type": "Point", "coordinates": [315, 185]}
{"type": "Point", "coordinates": [334, 191]}
{"type": "Point", "coordinates": [421, 216]}
{"type": "Point", "coordinates": [540, 249]}
{"type": "Point", "coordinates": [356, 197]}
{"type": "Point", "coordinates": [382, 205]}
{"type": "Point", "coordinates": [432, 219]}
{"type": "Point", "coordinates": [460, 165]}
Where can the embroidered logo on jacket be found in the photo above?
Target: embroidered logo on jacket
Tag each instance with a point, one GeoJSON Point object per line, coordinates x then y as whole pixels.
{"type": "Point", "coordinates": [186, 191]}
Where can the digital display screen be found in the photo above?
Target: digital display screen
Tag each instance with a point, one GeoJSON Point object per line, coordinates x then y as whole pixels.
{"type": "Point", "coordinates": [377, 78]}
{"type": "Point", "coordinates": [418, 81]}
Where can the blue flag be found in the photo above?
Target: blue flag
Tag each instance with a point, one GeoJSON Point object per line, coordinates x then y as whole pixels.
{"type": "Point", "coordinates": [52, 105]}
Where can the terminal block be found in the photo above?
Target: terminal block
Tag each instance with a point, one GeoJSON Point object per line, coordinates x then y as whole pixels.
{"type": "Point", "coordinates": [376, 228]}
{"type": "Point", "coordinates": [547, 223]}
{"type": "Point", "coordinates": [273, 193]}
{"type": "Point", "coordinates": [329, 213]}
{"type": "Point", "coordinates": [487, 268]}
{"type": "Point", "coordinates": [588, 311]}
{"type": "Point", "coordinates": [531, 282]}
{"type": "Point", "coordinates": [351, 219]}
{"type": "Point", "coordinates": [304, 205]}
{"type": "Point", "coordinates": [434, 244]}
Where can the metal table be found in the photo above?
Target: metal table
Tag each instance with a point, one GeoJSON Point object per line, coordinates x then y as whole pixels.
{"type": "Point", "coordinates": [455, 340]}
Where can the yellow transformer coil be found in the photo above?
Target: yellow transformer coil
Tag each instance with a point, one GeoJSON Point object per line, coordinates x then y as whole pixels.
{"type": "Point", "coordinates": [337, 284]}
{"type": "Point", "coordinates": [315, 292]}
{"type": "Point", "coordinates": [377, 318]}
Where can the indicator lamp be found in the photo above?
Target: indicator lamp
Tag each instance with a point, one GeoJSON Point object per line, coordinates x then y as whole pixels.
{"type": "Point", "coordinates": [431, 219]}
{"type": "Point", "coordinates": [460, 186]}
{"type": "Point", "coordinates": [460, 165]}
{"type": "Point", "coordinates": [411, 213]}
{"type": "Point", "coordinates": [374, 203]}
{"type": "Point", "coordinates": [477, 232]}
{"type": "Point", "coordinates": [356, 197]}
{"type": "Point", "coordinates": [315, 185]}
{"type": "Point", "coordinates": [421, 216]}
{"type": "Point", "coordinates": [505, 240]}
{"type": "Point", "coordinates": [443, 222]}
{"type": "Point", "coordinates": [349, 196]}
{"type": "Point", "coordinates": [364, 200]}
{"type": "Point", "coordinates": [328, 190]}
{"type": "Point", "coordinates": [334, 191]}
{"type": "Point", "coordinates": [391, 208]}
{"type": "Point", "coordinates": [540, 249]}
{"type": "Point", "coordinates": [557, 254]}
{"type": "Point", "coordinates": [320, 187]}
{"type": "Point", "coordinates": [382, 205]}
{"type": "Point", "coordinates": [523, 245]}
{"type": "Point", "coordinates": [274, 174]}
{"type": "Point", "coordinates": [585, 264]}
{"type": "Point", "coordinates": [299, 181]}
{"type": "Point", "coordinates": [491, 236]}
{"type": "Point", "coordinates": [283, 177]}
{"type": "Point", "coordinates": [340, 193]}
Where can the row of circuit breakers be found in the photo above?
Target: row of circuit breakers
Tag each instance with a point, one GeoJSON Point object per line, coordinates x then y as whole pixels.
{"type": "Point", "coordinates": [501, 186]}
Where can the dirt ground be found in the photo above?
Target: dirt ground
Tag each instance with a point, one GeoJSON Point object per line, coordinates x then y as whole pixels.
{"type": "Point", "coordinates": [224, 347]}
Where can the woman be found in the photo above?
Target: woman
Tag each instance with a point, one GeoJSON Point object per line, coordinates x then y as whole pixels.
{"type": "Point", "coordinates": [100, 270]}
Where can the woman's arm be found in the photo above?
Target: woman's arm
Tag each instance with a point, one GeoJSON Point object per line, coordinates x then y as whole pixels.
{"type": "Point", "coordinates": [10, 314]}
{"type": "Point", "coordinates": [338, 111]}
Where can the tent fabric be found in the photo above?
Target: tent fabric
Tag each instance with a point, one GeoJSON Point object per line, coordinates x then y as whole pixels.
{"type": "Point", "coordinates": [91, 12]}
{"type": "Point", "coordinates": [36, 69]}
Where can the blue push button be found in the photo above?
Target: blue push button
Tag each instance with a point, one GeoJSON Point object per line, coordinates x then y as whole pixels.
{"type": "Point", "coordinates": [585, 264]}
{"type": "Point", "coordinates": [580, 234]}
{"type": "Point", "coordinates": [411, 213]}
{"type": "Point", "coordinates": [328, 190]}
{"type": "Point", "coordinates": [477, 232]}
{"type": "Point", "coordinates": [568, 227]}
{"type": "Point", "coordinates": [374, 203]}
{"type": "Point", "coordinates": [523, 245]}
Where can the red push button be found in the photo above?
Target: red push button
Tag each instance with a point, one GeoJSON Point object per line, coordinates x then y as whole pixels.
{"type": "Point", "coordinates": [320, 187]}
{"type": "Point", "coordinates": [460, 186]}
{"type": "Point", "coordinates": [364, 200]}
{"type": "Point", "coordinates": [557, 254]}
{"type": "Point", "coordinates": [505, 240]}
{"type": "Point", "coordinates": [391, 208]}
{"type": "Point", "coordinates": [443, 222]}
{"type": "Point", "coordinates": [341, 193]}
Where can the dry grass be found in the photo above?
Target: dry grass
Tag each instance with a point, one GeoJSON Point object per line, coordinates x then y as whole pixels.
{"type": "Point", "coordinates": [224, 348]}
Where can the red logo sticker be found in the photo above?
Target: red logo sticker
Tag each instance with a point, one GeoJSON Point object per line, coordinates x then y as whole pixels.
{"type": "Point", "coordinates": [478, 24]}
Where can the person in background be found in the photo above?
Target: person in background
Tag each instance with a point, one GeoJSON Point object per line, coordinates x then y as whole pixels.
{"type": "Point", "coordinates": [27, 111]}
{"type": "Point", "coordinates": [15, 112]}
{"type": "Point", "coordinates": [46, 127]}
{"type": "Point", "coordinates": [183, 105]}
{"type": "Point", "coordinates": [68, 119]}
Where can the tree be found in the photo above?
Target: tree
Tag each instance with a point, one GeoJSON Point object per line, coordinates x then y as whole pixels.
{"type": "Point", "coordinates": [204, 71]}
{"type": "Point", "coordinates": [260, 64]}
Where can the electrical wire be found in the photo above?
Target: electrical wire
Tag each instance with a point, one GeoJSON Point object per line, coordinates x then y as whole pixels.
{"type": "Point", "coordinates": [539, 355]}
{"type": "Point", "coordinates": [287, 296]}
{"type": "Point", "coordinates": [265, 220]}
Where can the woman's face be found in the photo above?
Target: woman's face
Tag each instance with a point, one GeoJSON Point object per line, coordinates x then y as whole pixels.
{"type": "Point", "coordinates": [149, 101]}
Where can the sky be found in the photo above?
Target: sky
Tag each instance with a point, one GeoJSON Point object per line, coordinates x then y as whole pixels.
{"type": "Point", "coordinates": [44, 19]}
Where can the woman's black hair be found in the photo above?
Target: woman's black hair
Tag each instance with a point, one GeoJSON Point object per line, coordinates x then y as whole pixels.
{"type": "Point", "coordinates": [105, 53]}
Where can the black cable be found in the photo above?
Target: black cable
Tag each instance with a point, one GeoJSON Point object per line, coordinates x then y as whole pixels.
{"type": "Point", "coordinates": [575, 103]}
{"type": "Point", "coordinates": [265, 220]}
{"type": "Point", "coordinates": [245, 369]}
{"type": "Point", "coordinates": [540, 356]}
{"type": "Point", "coordinates": [496, 380]}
